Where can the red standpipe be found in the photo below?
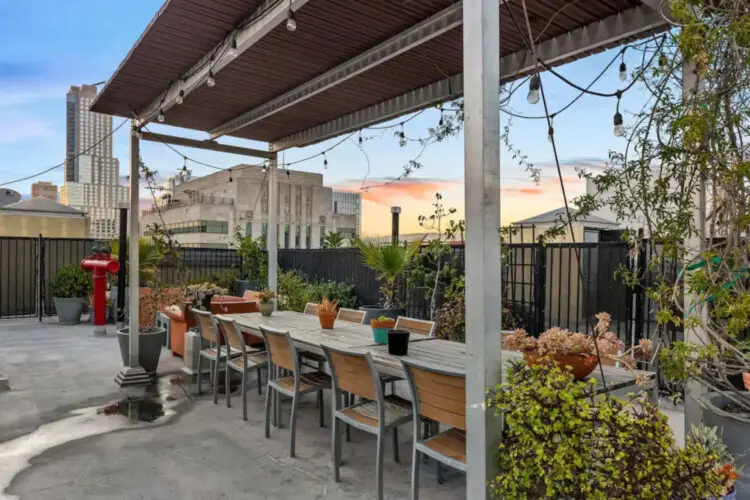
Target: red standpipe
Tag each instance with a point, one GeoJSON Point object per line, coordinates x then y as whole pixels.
{"type": "Point", "coordinates": [100, 265]}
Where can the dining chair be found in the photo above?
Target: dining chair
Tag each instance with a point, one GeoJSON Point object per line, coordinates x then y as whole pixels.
{"type": "Point", "coordinates": [376, 413]}
{"type": "Point", "coordinates": [438, 394]}
{"type": "Point", "coordinates": [210, 349]}
{"type": "Point", "coordinates": [351, 316]}
{"type": "Point", "coordinates": [417, 326]}
{"type": "Point", "coordinates": [311, 308]}
{"type": "Point", "coordinates": [285, 378]}
{"type": "Point", "coordinates": [251, 359]}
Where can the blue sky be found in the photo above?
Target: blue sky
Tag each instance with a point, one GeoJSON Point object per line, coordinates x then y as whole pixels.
{"type": "Point", "coordinates": [48, 45]}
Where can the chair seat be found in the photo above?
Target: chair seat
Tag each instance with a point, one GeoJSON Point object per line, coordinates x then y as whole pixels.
{"type": "Point", "coordinates": [210, 352]}
{"type": "Point", "coordinates": [309, 382]}
{"type": "Point", "coordinates": [253, 361]}
{"type": "Point", "coordinates": [451, 444]}
{"type": "Point", "coordinates": [397, 410]}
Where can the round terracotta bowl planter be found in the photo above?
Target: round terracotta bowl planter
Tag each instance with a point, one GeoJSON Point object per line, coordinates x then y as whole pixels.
{"type": "Point", "coordinates": [327, 320]}
{"type": "Point", "coordinates": [582, 364]}
{"type": "Point", "coordinates": [746, 379]}
{"type": "Point", "coordinates": [380, 330]}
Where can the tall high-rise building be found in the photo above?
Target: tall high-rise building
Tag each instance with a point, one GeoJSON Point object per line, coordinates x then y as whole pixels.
{"type": "Point", "coordinates": [44, 189]}
{"type": "Point", "coordinates": [91, 172]}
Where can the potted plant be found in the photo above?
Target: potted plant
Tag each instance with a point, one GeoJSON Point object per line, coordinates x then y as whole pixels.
{"type": "Point", "coordinates": [327, 311]}
{"type": "Point", "coordinates": [380, 327]}
{"type": "Point", "coordinates": [69, 289]}
{"type": "Point", "coordinates": [202, 294]}
{"type": "Point", "coordinates": [253, 263]}
{"type": "Point", "coordinates": [266, 302]}
{"type": "Point", "coordinates": [567, 349]}
{"type": "Point", "coordinates": [149, 258]}
{"type": "Point", "coordinates": [390, 262]}
{"type": "Point", "coordinates": [151, 338]}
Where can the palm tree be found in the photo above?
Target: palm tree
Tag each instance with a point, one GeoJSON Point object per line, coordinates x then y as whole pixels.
{"type": "Point", "coordinates": [334, 240]}
{"type": "Point", "coordinates": [389, 261]}
{"type": "Point", "coordinates": [149, 258]}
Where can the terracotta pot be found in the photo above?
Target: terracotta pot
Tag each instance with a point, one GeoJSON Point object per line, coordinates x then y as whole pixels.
{"type": "Point", "coordinates": [582, 364]}
{"type": "Point", "coordinates": [746, 379]}
{"type": "Point", "coordinates": [327, 320]}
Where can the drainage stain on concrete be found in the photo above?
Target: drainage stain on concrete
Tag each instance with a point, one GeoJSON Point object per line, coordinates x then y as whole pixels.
{"type": "Point", "coordinates": [137, 409]}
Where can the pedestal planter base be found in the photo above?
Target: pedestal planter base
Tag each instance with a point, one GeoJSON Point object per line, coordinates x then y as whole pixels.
{"type": "Point", "coordinates": [149, 347]}
{"type": "Point", "coordinates": [736, 435]}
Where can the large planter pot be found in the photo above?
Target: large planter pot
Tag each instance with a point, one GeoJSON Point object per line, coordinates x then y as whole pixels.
{"type": "Point", "coordinates": [266, 308]}
{"type": "Point", "coordinates": [240, 287]}
{"type": "Point", "coordinates": [374, 312]}
{"type": "Point", "coordinates": [149, 347]}
{"type": "Point", "coordinates": [736, 436]}
{"type": "Point", "coordinates": [746, 379]}
{"type": "Point", "coordinates": [582, 364]}
{"type": "Point", "coordinates": [69, 310]}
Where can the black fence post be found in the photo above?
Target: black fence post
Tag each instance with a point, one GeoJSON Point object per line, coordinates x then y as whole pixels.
{"type": "Point", "coordinates": [40, 278]}
{"type": "Point", "coordinates": [640, 302]}
{"type": "Point", "coordinates": [540, 284]}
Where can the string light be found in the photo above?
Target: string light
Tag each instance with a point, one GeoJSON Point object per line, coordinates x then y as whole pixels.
{"type": "Point", "coordinates": [264, 168]}
{"type": "Point", "coordinates": [401, 134]}
{"type": "Point", "coordinates": [138, 133]}
{"type": "Point", "coordinates": [619, 127]}
{"type": "Point", "coordinates": [440, 123]}
{"type": "Point", "coordinates": [360, 137]}
{"type": "Point", "coordinates": [160, 116]}
{"type": "Point", "coordinates": [623, 71]}
{"type": "Point", "coordinates": [210, 81]}
{"type": "Point", "coordinates": [180, 97]}
{"type": "Point", "coordinates": [230, 175]}
{"type": "Point", "coordinates": [184, 165]}
{"type": "Point", "coordinates": [534, 85]}
{"type": "Point", "coordinates": [291, 23]}
{"type": "Point", "coordinates": [288, 175]}
{"type": "Point", "coordinates": [551, 130]}
{"type": "Point", "coordinates": [325, 160]}
{"type": "Point", "coordinates": [232, 52]}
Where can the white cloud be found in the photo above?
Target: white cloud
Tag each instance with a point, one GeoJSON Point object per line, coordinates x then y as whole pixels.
{"type": "Point", "coordinates": [25, 94]}
{"type": "Point", "coordinates": [19, 126]}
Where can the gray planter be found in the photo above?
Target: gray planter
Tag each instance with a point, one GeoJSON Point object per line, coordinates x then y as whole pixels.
{"type": "Point", "coordinates": [374, 312]}
{"type": "Point", "coordinates": [69, 310]}
{"type": "Point", "coordinates": [240, 287]}
{"type": "Point", "coordinates": [266, 308]}
{"type": "Point", "coordinates": [149, 347]}
{"type": "Point", "coordinates": [736, 434]}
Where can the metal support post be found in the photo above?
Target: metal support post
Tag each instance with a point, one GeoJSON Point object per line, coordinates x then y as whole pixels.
{"type": "Point", "coordinates": [273, 223]}
{"type": "Point", "coordinates": [395, 214]}
{"type": "Point", "coordinates": [482, 200]}
{"type": "Point", "coordinates": [122, 257]}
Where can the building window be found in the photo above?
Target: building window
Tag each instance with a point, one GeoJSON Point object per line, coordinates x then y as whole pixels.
{"type": "Point", "coordinates": [249, 230]}
{"type": "Point", "coordinates": [264, 234]}
{"type": "Point", "coordinates": [286, 235]}
{"type": "Point", "coordinates": [296, 236]}
{"type": "Point", "coordinates": [322, 235]}
{"type": "Point", "coordinates": [308, 237]}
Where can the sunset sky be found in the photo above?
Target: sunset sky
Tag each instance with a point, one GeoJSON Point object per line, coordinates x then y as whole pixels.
{"type": "Point", "coordinates": [51, 53]}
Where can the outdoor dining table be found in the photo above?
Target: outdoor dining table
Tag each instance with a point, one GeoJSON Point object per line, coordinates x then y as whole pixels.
{"type": "Point", "coordinates": [307, 334]}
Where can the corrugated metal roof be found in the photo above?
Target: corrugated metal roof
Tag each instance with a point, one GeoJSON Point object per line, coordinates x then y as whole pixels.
{"type": "Point", "coordinates": [329, 32]}
{"type": "Point", "coordinates": [559, 215]}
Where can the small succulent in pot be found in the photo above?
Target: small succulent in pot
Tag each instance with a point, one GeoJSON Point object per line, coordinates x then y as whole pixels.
{"type": "Point", "coordinates": [266, 302]}
{"type": "Point", "coordinates": [327, 311]}
{"type": "Point", "coordinates": [380, 327]}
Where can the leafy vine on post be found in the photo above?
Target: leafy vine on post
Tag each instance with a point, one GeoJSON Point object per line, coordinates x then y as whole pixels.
{"type": "Point", "coordinates": [253, 262]}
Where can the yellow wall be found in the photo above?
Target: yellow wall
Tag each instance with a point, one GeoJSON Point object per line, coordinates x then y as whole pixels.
{"type": "Point", "coordinates": [49, 227]}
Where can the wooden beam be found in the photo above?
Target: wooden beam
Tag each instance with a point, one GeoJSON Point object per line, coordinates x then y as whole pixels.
{"type": "Point", "coordinates": [206, 144]}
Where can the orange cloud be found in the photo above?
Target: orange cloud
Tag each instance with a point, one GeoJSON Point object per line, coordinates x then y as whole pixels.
{"type": "Point", "coordinates": [546, 186]}
{"type": "Point", "coordinates": [386, 191]}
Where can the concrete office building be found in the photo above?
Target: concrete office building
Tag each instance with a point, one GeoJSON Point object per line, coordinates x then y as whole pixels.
{"type": "Point", "coordinates": [91, 171]}
{"type": "Point", "coordinates": [347, 213]}
{"type": "Point", "coordinates": [43, 189]}
{"type": "Point", "coordinates": [206, 212]}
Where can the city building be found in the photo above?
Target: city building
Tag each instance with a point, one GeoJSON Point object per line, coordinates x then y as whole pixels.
{"type": "Point", "coordinates": [166, 195]}
{"type": "Point", "coordinates": [44, 189]}
{"type": "Point", "coordinates": [206, 212]}
{"type": "Point", "coordinates": [587, 229]}
{"type": "Point", "coordinates": [347, 213]}
{"type": "Point", "coordinates": [30, 218]}
{"type": "Point", "coordinates": [91, 172]}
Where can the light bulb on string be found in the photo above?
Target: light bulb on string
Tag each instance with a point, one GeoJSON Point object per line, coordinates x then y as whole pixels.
{"type": "Point", "coordinates": [180, 97]}
{"type": "Point", "coordinates": [619, 127]}
{"type": "Point", "coordinates": [360, 137]}
{"type": "Point", "coordinates": [210, 81]}
{"type": "Point", "coordinates": [184, 165]}
{"type": "Point", "coordinates": [551, 130]}
{"type": "Point", "coordinates": [401, 134]}
{"type": "Point", "coordinates": [325, 161]}
{"type": "Point", "coordinates": [264, 168]}
{"type": "Point", "coordinates": [288, 175]}
{"type": "Point", "coordinates": [623, 71]}
{"type": "Point", "coordinates": [291, 23]}
{"type": "Point", "coordinates": [232, 52]}
{"type": "Point", "coordinates": [230, 175]}
{"type": "Point", "coordinates": [160, 116]}
{"type": "Point", "coordinates": [442, 121]}
{"type": "Point", "coordinates": [534, 84]}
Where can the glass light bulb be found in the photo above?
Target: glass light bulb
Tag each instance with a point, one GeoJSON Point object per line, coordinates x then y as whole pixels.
{"type": "Point", "coordinates": [550, 134]}
{"type": "Point", "coordinates": [533, 96]}
{"type": "Point", "coordinates": [232, 52]}
{"type": "Point", "coordinates": [620, 130]}
{"type": "Point", "coordinates": [180, 97]}
{"type": "Point", "coordinates": [210, 80]}
{"type": "Point", "coordinates": [623, 72]}
{"type": "Point", "coordinates": [291, 24]}
{"type": "Point", "coordinates": [160, 116]}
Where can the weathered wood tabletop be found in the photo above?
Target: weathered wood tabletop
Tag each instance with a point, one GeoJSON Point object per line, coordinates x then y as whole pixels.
{"type": "Point", "coordinates": [306, 333]}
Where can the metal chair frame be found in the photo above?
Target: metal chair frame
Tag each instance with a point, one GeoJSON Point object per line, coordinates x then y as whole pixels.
{"type": "Point", "coordinates": [213, 352]}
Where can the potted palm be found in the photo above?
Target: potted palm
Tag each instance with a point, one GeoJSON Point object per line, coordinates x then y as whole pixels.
{"type": "Point", "coordinates": [266, 302]}
{"type": "Point", "coordinates": [69, 289]}
{"type": "Point", "coordinates": [151, 337]}
{"type": "Point", "coordinates": [390, 262]}
{"type": "Point", "coordinates": [327, 311]}
{"type": "Point", "coordinates": [149, 258]}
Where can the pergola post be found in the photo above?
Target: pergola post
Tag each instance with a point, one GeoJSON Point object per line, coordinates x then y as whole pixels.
{"type": "Point", "coordinates": [481, 36]}
{"type": "Point", "coordinates": [133, 374]}
{"type": "Point", "coordinates": [273, 223]}
{"type": "Point", "coordinates": [694, 245]}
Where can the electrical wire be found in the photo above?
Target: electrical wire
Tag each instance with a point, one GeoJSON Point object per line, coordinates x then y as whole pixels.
{"type": "Point", "coordinates": [50, 169]}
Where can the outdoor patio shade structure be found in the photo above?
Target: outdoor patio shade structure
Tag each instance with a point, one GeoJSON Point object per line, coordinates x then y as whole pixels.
{"type": "Point", "coordinates": [235, 68]}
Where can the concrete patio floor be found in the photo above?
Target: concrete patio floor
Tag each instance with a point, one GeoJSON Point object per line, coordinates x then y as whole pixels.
{"type": "Point", "coordinates": [206, 451]}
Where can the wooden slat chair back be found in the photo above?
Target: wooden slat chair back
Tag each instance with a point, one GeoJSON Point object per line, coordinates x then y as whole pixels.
{"type": "Point", "coordinates": [439, 395]}
{"type": "Point", "coordinates": [233, 336]}
{"type": "Point", "coordinates": [311, 308]}
{"type": "Point", "coordinates": [206, 325]}
{"type": "Point", "coordinates": [352, 373]}
{"type": "Point", "coordinates": [280, 349]}
{"type": "Point", "coordinates": [351, 316]}
{"type": "Point", "coordinates": [416, 326]}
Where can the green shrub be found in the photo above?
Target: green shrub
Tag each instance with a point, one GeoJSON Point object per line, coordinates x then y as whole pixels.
{"type": "Point", "coordinates": [71, 282]}
{"type": "Point", "coordinates": [334, 290]}
{"type": "Point", "coordinates": [224, 278]}
{"type": "Point", "coordinates": [296, 290]}
{"type": "Point", "coordinates": [561, 440]}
